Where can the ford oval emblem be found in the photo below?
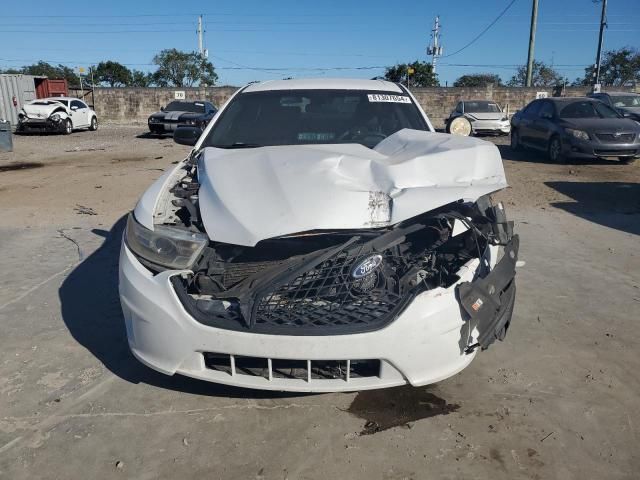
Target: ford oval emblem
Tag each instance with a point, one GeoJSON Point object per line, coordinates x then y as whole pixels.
{"type": "Point", "coordinates": [366, 266]}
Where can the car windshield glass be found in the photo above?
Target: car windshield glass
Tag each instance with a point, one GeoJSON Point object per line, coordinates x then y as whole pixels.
{"type": "Point", "coordinates": [481, 107]}
{"type": "Point", "coordinates": [625, 101]}
{"type": "Point", "coordinates": [193, 107]}
{"type": "Point", "coordinates": [299, 117]}
{"type": "Point", "coordinates": [588, 110]}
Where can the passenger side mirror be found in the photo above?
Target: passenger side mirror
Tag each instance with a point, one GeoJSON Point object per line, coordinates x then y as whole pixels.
{"type": "Point", "coordinates": [625, 114]}
{"type": "Point", "coordinates": [187, 135]}
{"type": "Point", "coordinates": [546, 115]}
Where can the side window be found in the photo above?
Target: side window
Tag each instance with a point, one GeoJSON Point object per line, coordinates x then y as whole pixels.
{"type": "Point", "coordinates": [77, 103]}
{"type": "Point", "coordinates": [532, 109]}
{"type": "Point", "coordinates": [546, 111]}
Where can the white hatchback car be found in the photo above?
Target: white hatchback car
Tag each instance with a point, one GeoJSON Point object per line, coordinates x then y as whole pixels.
{"type": "Point", "coordinates": [56, 114]}
{"type": "Point", "coordinates": [320, 236]}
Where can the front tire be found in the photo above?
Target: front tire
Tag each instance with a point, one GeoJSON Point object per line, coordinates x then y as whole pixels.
{"type": "Point", "coordinates": [554, 150]}
{"type": "Point", "coordinates": [68, 127]}
{"type": "Point", "coordinates": [94, 124]}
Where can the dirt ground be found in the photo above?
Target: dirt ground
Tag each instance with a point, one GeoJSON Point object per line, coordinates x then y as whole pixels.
{"type": "Point", "coordinates": [557, 400]}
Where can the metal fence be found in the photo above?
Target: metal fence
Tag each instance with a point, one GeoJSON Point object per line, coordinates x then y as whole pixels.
{"type": "Point", "coordinates": [15, 90]}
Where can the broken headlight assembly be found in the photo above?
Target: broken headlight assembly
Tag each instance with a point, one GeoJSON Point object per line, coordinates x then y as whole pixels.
{"type": "Point", "coordinates": [55, 117]}
{"type": "Point", "coordinates": [164, 246]}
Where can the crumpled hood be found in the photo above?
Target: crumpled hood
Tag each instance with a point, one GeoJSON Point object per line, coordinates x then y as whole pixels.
{"type": "Point", "coordinates": [247, 195]}
{"type": "Point", "coordinates": [486, 116]}
{"type": "Point", "coordinates": [40, 111]}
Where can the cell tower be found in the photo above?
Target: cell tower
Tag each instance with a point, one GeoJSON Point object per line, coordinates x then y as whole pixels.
{"type": "Point", "coordinates": [435, 49]}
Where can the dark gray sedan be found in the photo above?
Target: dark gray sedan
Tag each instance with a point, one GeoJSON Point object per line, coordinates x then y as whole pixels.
{"type": "Point", "coordinates": [576, 127]}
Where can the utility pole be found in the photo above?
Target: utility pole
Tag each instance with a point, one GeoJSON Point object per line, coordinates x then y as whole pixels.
{"type": "Point", "coordinates": [603, 25]}
{"type": "Point", "coordinates": [200, 46]}
{"type": "Point", "coordinates": [435, 49]}
{"type": "Point", "coordinates": [532, 42]}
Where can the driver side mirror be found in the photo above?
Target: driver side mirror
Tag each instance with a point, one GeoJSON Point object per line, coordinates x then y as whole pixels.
{"type": "Point", "coordinates": [74, 108]}
{"type": "Point", "coordinates": [162, 109]}
{"type": "Point", "coordinates": [187, 135]}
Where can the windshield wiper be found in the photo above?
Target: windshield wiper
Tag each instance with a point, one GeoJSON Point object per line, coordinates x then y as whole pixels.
{"type": "Point", "coordinates": [238, 145]}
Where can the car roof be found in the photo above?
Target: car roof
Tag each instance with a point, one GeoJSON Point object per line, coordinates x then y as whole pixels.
{"type": "Point", "coordinates": [484, 100]}
{"type": "Point", "coordinates": [56, 99]}
{"type": "Point", "coordinates": [570, 99]}
{"type": "Point", "coordinates": [324, 84]}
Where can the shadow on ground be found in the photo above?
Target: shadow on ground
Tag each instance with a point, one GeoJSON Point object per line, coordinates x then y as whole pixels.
{"type": "Point", "coordinates": [612, 204]}
{"type": "Point", "coordinates": [91, 311]}
{"type": "Point", "coordinates": [155, 136]}
{"type": "Point", "coordinates": [538, 156]}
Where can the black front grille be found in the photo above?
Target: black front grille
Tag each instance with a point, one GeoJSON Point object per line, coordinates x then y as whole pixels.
{"type": "Point", "coordinates": [616, 138]}
{"type": "Point", "coordinates": [316, 294]}
{"type": "Point", "coordinates": [327, 296]}
{"type": "Point", "coordinates": [291, 369]}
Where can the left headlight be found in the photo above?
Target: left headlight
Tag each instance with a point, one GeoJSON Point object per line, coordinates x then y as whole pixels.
{"type": "Point", "coordinates": [191, 121]}
{"type": "Point", "coordinates": [579, 134]}
{"type": "Point", "coordinates": [165, 246]}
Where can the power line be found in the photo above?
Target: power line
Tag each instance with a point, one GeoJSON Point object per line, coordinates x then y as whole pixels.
{"type": "Point", "coordinates": [482, 32]}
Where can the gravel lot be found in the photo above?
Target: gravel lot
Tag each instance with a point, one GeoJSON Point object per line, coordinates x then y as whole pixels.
{"type": "Point", "coordinates": [558, 399]}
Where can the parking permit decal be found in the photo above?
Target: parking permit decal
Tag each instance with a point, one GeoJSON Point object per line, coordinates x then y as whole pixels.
{"type": "Point", "coordinates": [378, 97]}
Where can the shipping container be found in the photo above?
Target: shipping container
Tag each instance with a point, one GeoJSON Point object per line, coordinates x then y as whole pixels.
{"type": "Point", "coordinates": [15, 91]}
{"type": "Point", "coordinates": [49, 87]}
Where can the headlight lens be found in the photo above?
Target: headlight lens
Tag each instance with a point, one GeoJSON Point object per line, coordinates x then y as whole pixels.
{"type": "Point", "coordinates": [579, 134]}
{"type": "Point", "coordinates": [191, 121]}
{"type": "Point", "coordinates": [152, 120]}
{"type": "Point", "coordinates": [505, 119]}
{"type": "Point", "coordinates": [165, 246]}
{"type": "Point", "coordinates": [55, 117]}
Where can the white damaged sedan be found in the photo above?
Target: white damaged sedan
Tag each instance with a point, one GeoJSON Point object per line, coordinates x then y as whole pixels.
{"type": "Point", "coordinates": [320, 236]}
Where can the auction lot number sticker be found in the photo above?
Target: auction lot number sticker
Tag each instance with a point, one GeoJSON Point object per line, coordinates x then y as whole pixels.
{"type": "Point", "coordinates": [380, 97]}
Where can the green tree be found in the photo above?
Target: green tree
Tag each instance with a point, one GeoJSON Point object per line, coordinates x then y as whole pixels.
{"type": "Point", "coordinates": [543, 75]}
{"type": "Point", "coordinates": [423, 75]}
{"type": "Point", "coordinates": [112, 73]}
{"type": "Point", "coordinates": [47, 70]}
{"type": "Point", "coordinates": [183, 69]}
{"type": "Point", "coordinates": [618, 67]}
{"type": "Point", "coordinates": [140, 79]}
{"type": "Point", "coordinates": [478, 80]}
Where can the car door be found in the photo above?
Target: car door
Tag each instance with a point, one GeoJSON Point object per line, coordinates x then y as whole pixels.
{"type": "Point", "coordinates": [79, 113]}
{"type": "Point", "coordinates": [542, 125]}
{"type": "Point", "coordinates": [525, 124]}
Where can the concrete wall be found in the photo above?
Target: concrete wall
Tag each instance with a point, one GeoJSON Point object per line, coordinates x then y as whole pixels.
{"type": "Point", "coordinates": [134, 105]}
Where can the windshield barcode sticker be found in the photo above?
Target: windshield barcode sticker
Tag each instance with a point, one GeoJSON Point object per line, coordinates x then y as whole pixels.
{"type": "Point", "coordinates": [378, 97]}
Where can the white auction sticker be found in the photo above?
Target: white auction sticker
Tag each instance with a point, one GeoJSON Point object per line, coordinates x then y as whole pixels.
{"type": "Point", "coordinates": [379, 97]}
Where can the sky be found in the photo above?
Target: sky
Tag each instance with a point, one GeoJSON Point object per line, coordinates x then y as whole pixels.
{"type": "Point", "coordinates": [260, 39]}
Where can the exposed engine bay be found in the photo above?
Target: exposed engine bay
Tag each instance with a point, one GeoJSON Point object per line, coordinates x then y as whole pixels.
{"type": "Point", "coordinates": [328, 282]}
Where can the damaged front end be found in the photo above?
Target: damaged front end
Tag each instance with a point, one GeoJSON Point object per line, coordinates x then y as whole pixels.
{"type": "Point", "coordinates": [344, 281]}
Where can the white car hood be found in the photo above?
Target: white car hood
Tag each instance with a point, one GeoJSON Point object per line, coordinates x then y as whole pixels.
{"type": "Point", "coordinates": [247, 195]}
{"type": "Point", "coordinates": [40, 111]}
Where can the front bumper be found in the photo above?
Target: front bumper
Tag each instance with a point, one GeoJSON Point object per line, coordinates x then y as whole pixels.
{"type": "Point", "coordinates": [491, 126]}
{"type": "Point", "coordinates": [574, 148]}
{"type": "Point", "coordinates": [427, 343]}
{"type": "Point", "coordinates": [41, 125]}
